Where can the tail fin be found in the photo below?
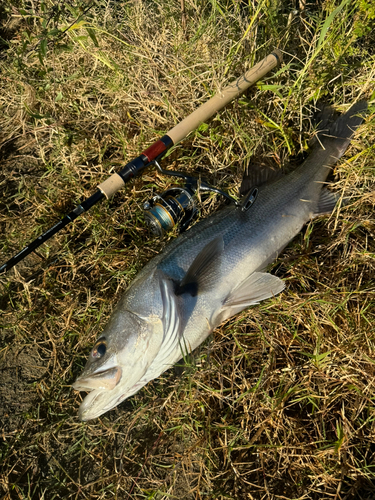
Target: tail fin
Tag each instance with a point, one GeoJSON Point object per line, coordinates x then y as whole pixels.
{"type": "Point", "coordinates": [341, 131]}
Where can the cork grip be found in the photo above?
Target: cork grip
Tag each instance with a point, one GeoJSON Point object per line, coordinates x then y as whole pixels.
{"type": "Point", "coordinates": [111, 185]}
{"type": "Point", "coordinates": [221, 99]}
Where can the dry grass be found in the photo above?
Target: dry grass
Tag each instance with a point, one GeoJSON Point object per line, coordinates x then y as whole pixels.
{"type": "Point", "coordinates": [279, 404]}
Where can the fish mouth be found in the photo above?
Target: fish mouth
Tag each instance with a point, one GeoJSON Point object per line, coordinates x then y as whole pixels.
{"type": "Point", "coordinates": [99, 385]}
{"type": "Point", "coordinates": [104, 380]}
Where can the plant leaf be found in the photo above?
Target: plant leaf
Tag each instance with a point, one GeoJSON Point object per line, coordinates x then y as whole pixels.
{"type": "Point", "coordinates": [91, 33]}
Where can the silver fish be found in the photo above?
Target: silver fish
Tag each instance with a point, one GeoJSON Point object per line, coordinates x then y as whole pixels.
{"type": "Point", "coordinates": [206, 275]}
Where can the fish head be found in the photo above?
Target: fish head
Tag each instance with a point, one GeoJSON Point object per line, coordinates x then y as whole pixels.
{"type": "Point", "coordinates": [118, 361]}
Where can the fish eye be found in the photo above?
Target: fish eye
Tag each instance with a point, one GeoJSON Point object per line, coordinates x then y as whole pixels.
{"type": "Point", "coordinates": [99, 348]}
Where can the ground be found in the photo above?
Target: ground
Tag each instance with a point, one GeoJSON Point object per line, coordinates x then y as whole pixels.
{"type": "Point", "coordinates": [278, 403]}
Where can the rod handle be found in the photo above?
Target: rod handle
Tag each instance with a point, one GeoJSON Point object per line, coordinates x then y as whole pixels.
{"type": "Point", "coordinates": [222, 98]}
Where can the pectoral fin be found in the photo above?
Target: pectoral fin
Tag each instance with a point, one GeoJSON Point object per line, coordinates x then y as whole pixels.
{"type": "Point", "coordinates": [202, 273]}
{"type": "Point", "coordinates": [254, 289]}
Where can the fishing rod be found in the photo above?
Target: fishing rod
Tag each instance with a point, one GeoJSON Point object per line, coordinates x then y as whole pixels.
{"type": "Point", "coordinates": [163, 210]}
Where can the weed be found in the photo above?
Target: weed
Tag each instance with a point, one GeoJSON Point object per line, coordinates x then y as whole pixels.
{"type": "Point", "coordinates": [279, 402]}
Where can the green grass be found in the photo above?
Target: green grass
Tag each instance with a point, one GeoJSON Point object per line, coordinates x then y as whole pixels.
{"type": "Point", "coordinates": [279, 403]}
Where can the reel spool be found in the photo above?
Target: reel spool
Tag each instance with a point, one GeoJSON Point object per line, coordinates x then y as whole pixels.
{"type": "Point", "coordinates": [175, 206]}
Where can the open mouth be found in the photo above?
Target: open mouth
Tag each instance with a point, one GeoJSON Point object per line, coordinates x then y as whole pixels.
{"type": "Point", "coordinates": [98, 385]}
{"type": "Point", "coordinates": [104, 380]}
{"type": "Point", "coordinates": [102, 397]}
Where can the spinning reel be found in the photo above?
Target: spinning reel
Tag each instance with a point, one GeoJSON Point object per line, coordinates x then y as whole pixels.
{"type": "Point", "coordinates": [177, 205]}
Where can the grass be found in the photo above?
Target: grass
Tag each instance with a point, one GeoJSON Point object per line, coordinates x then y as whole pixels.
{"type": "Point", "coordinates": [279, 404]}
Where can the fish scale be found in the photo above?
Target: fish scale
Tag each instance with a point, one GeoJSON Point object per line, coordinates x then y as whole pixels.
{"type": "Point", "coordinates": [206, 275]}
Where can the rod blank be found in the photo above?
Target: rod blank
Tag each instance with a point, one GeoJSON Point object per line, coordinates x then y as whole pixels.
{"type": "Point", "coordinates": [116, 181]}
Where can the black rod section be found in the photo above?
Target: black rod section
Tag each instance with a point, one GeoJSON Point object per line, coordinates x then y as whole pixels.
{"type": "Point", "coordinates": [85, 205]}
{"type": "Point", "coordinates": [131, 170]}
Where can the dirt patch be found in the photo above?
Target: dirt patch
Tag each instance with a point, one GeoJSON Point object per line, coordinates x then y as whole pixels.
{"type": "Point", "coordinates": [21, 367]}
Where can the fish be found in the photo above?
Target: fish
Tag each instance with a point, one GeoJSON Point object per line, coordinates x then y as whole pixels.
{"type": "Point", "coordinates": [208, 274]}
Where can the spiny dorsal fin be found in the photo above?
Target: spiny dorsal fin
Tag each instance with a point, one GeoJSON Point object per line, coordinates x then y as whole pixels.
{"type": "Point", "coordinates": [256, 175]}
{"type": "Point", "coordinates": [202, 273]}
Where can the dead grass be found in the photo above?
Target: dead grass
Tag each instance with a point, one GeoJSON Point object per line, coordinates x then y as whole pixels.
{"type": "Point", "coordinates": [279, 403]}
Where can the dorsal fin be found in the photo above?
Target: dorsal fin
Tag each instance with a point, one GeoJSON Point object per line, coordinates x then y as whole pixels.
{"type": "Point", "coordinates": [256, 175]}
{"type": "Point", "coordinates": [322, 120]}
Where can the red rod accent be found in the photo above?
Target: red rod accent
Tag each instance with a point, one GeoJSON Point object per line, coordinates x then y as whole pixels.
{"type": "Point", "coordinates": [155, 150]}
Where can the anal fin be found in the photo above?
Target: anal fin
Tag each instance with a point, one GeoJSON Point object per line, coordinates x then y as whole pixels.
{"type": "Point", "coordinates": [326, 203]}
{"type": "Point", "coordinates": [257, 287]}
